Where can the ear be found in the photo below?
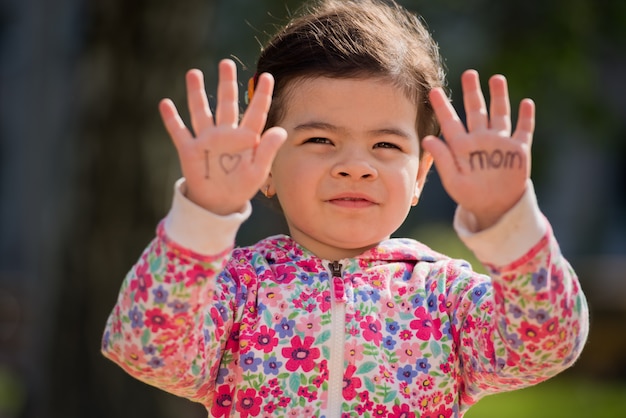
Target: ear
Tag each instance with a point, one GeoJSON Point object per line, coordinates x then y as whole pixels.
{"type": "Point", "coordinates": [426, 162]}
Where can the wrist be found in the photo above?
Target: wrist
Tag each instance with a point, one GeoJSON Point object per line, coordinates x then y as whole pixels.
{"type": "Point", "coordinates": [206, 201]}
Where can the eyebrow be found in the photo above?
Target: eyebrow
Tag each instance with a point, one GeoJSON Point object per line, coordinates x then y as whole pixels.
{"type": "Point", "coordinates": [330, 127]}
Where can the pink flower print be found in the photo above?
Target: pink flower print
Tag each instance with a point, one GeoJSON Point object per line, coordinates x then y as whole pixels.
{"type": "Point", "coordinates": [323, 301]}
{"type": "Point", "coordinates": [233, 340]}
{"type": "Point", "coordinates": [357, 316]}
{"type": "Point", "coordinates": [308, 265]}
{"type": "Point", "coordinates": [550, 327]}
{"type": "Point", "coordinates": [265, 339]}
{"type": "Point", "coordinates": [405, 334]}
{"type": "Point", "coordinates": [444, 304]}
{"type": "Point", "coordinates": [379, 411]}
{"type": "Point", "coordinates": [371, 330]}
{"type": "Point", "coordinates": [405, 307]}
{"type": "Point", "coordinates": [388, 308]}
{"type": "Point", "coordinates": [134, 354]}
{"type": "Point", "coordinates": [556, 281]}
{"type": "Point", "coordinates": [141, 283]}
{"type": "Point", "coordinates": [248, 403]}
{"type": "Point", "coordinates": [300, 354]}
{"type": "Point", "coordinates": [350, 383]}
{"type": "Point", "coordinates": [284, 274]}
{"type": "Point", "coordinates": [197, 274]}
{"type": "Point", "coordinates": [566, 307]}
{"type": "Point", "coordinates": [157, 320]}
{"type": "Point", "coordinates": [223, 402]}
{"type": "Point", "coordinates": [530, 332]}
{"type": "Point", "coordinates": [408, 352]}
{"type": "Point", "coordinates": [272, 297]}
{"type": "Point", "coordinates": [270, 407]}
{"type": "Point", "coordinates": [401, 411]}
{"type": "Point", "coordinates": [441, 412]}
{"type": "Point", "coordinates": [355, 354]}
{"type": "Point", "coordinates": [425, 325]}
{"type": "Point", "coordinates": [309, 324]}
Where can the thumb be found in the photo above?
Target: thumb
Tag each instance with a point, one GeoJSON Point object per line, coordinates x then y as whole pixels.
{"type": "Point", "coordinates": [271, 140]}
{"type": "Point", "coordinates": [444, 159]}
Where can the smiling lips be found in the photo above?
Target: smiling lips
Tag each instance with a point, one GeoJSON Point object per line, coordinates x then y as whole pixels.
{"type": "Point", "coordinates": [352, 201]}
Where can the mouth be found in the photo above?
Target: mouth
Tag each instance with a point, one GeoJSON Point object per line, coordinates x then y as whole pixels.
{"type": "Point", "coordinates": [352, 201]}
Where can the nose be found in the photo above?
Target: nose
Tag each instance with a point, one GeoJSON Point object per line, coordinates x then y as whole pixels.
{"type": "Point", "coordinates": [354, 167]}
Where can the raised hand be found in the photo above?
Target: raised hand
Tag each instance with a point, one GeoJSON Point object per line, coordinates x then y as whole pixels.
{"type": "Point", "coordinates": [483, 168]}
{"type": "Point", "coordinates": [227, 161]}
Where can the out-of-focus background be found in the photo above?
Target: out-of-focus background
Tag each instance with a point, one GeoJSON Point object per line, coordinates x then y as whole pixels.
{"type": "Point", "coordinates": [86, 173]}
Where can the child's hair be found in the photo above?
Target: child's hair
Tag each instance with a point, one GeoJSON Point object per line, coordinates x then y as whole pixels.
{"type": "Point", "coordinates": [356, 39]}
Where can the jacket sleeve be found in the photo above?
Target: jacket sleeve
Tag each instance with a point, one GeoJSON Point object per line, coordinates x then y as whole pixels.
{"type": "Point", "coordinates": [530, 320]}
{"type": "Point", "coordinates": [174, 312]}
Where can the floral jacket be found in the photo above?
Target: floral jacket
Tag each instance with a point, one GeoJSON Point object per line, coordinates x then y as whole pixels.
{"type": "Point", "coordinates": [399, 331]}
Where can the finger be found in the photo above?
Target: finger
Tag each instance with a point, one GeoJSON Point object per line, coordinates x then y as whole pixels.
{"type": "Point", "coordinates": [474, 101]}
{"type": "Point", "coordinates": [450, 123]}
{"type": "Point", "coordinates": [173, 123]}
{"type": "Point", "coordinates": [256, 114]}
{"type": "Point", "coordinates": [201, 117]}
{"type": "Point", "coordinates": [444, 160]}
{"type": "Point", "coordinates": [525, 128]}
{"type": "Point", "coordinates": [500, 107]}
{"type": "Point", "coordinates": [227, 110]}
{"type": "Point", "coordinates": [271, 141]}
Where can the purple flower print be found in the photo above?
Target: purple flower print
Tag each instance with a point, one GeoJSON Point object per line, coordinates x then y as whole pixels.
{"type": "Point", "coordinates": [540, 279]}
{"type": "Point", "coordinates": [406, 374]}
{"type": "Point", "coordinates": [136, 317]}
{"type": "Point", "coordinates": [249, 362]}
{"type": "Point", "coordinates": [285, 327]}
{"type": "Point", "coordinates": [271, 365]}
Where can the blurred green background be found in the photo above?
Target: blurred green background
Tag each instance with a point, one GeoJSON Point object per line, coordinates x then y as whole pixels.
{"type": "Point", "coordinates": [86, 173]}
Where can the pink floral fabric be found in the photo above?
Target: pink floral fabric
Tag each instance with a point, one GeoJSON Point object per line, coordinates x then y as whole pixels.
{"type": "Point", "coordinates": [248, 333]}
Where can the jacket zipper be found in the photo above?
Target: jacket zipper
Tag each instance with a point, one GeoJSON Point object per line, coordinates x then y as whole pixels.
{"type": "Point", "coordinates": [338, 330]}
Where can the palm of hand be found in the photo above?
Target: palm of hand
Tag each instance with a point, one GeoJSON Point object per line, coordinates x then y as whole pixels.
{"type": "Point", "coordinates": [483, 168]}
{"type": "Point", "coordinates": [227, 161]}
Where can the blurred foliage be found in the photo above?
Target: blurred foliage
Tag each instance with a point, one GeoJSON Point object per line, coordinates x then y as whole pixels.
{"type": "Point", "coordinates": [560, 397]}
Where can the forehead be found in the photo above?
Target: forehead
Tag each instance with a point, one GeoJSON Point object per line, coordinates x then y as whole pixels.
{"type": "Point", "coordinates": [351, 102]}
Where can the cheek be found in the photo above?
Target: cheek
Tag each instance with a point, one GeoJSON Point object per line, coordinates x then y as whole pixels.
{"type": "Point", "coordinates": [291, 174]}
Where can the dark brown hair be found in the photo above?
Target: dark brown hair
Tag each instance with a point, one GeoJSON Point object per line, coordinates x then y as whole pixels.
{"type": "Point", "coordinates": [356, 39]}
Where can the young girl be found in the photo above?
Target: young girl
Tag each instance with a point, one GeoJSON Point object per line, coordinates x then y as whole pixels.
{"type": "Point", "coordinates": [337, 319]}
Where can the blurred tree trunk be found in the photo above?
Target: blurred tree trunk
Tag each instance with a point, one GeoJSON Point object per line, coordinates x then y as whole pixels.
{"type": "Point", "coordinates": [39, 45]}
{"type": "Point", "coordinates": [135, 54]}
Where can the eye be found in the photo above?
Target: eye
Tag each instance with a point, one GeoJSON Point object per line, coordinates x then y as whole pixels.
{"type": "Point", "coordinates": [318, 140]}
{"type": "Point", "coordinates": [386, 145]}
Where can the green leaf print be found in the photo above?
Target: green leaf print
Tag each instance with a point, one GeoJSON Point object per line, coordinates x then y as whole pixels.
{"type": "Point", "coordinates": [154, 266]}
{"type": "Point", "coordinates": [267, 318]}
{"type": "Point", "coordinates": [294, 382]}
{"type": "Point", "coordinates": [145, 337]}
{"type": "Point", "coordinates": [390, 396]}
{"type": "Point", "coordinates": [323, 337]}
{"type": "Point", "coordinates": [195, 369]}
{"type": "Point", "coordinates": [369, 384]}
{"type": "Point", "coordinates": [326, 352]}
{"type": "Point", "coordinates": [435, 347]}
{"type": "Point", "coordinates": [366, 367]}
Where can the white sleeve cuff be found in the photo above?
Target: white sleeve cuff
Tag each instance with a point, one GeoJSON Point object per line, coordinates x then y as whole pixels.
{"type": "Point", "coordinates": [515, 233]}
{"type": "Point", "coordinates": [199, 230]}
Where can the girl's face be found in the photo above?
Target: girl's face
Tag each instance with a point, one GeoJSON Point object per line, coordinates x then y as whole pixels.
{"type": "Point", "coordinates": [350, 169]}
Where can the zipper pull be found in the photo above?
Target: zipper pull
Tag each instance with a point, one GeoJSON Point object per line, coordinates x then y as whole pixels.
{"type": "Point", "coordinates": [338, 287]}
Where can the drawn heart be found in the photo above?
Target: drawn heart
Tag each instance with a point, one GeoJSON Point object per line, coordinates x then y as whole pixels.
{"type": "Point", "coordinates": [229, 162]}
